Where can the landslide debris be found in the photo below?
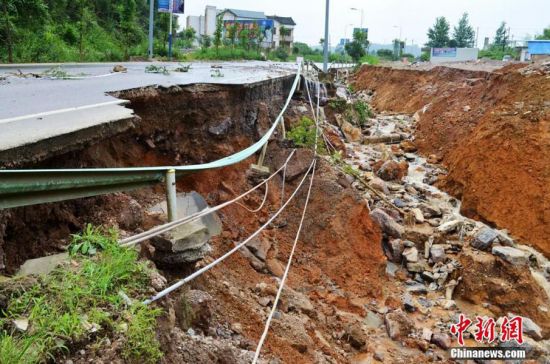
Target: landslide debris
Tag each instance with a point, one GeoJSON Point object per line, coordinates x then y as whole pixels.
{"type": "Point", "coordinates": [491, 131]}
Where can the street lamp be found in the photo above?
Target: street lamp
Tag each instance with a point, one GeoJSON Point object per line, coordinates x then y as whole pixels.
{"type": "Point", "coordinates": [346, 31]}
{"type": "Point", "coordinates": [400, 30]}
{"type": "Point", "coordinates": [325, 50]}
{"type": "Point", "coordinates": [362, 14]}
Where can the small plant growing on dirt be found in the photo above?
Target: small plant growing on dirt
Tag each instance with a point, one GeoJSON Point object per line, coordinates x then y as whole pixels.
{"type": "Point", "coordinates": [216, 73]}
{"type": "Point", "coordinates": [351, 88]}
{"type": "Point", "coordinates": [336, 158]}
{"type": "Point", "coordinates": [141, 339]}
{"type": "Point", "coordinates": [59, 73]}
{"type": "Point", "coordinates": [303, 134]}
{"type": "Point", "coordinates": [351, 171]}
{"type": "Point", "coordinates": [338, 105]}
{"type": "Point", "coordinates": [90, 240]}
{"type": "Point", "coordinates": [157, 69]}
{"type": "Point", "coordinates": [183, 68]}
{"type": "Point", "coordinates": [363, 112]}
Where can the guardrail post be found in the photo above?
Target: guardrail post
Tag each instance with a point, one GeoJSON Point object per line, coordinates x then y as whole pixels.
{"type": "Point", "coordinates": [171, 198]}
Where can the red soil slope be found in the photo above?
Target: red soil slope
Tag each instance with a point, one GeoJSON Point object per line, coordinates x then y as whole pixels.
{"type": "Point", "coordinates": [492, 131]}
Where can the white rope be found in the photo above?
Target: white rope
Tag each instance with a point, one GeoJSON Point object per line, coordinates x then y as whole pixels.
{"type": "Point", "coordinates": [285, 275]}
{"type": "Point", "coordinates": [290, 258]}
{"type": "Point", "coordinates": [136, 239]}
{"type": "Point", "coordinates": [261, 205]}
{"type": "Point", "coordinates": [232, 251]}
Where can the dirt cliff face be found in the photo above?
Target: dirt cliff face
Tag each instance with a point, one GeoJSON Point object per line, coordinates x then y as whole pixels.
{"type": "Point", "coordinates": [492, 131]}
{"type": "Point", "coordinates": [177, 126]}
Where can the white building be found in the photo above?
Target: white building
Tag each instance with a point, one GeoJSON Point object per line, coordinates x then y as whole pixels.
{"type": "Point", "coordinates": [283, 22]}
{"type": "Point", "coordinates": [206, 24]}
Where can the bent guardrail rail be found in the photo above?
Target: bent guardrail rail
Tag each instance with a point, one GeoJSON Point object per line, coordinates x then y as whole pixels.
{"type": "Point", "coordinates": [35, 186]}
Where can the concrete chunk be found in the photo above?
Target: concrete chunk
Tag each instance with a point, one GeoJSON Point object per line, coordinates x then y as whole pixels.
{"type": "Point", "coordinates": [511, 255]}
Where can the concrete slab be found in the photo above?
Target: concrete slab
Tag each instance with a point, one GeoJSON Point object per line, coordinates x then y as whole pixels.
{"type": "Point", "coordinates": [44, 265]}
{"type": "Point", "coordinates": [35, 109]}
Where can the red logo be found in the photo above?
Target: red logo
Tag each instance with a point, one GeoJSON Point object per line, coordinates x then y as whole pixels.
{"type": "Point", "coordinates": [510, 329]}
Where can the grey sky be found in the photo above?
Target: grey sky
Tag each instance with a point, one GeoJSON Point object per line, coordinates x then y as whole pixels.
{"type": "Point", "coordinates": [413, 16]}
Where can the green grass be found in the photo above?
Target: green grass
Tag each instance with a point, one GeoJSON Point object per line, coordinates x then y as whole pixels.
{"type": "Point", "coordinates": [66, 305]}
{"type": "Point", "coordinates": [303, 135]}
{"type": "Point", "coordinates": [370, 59]}
{"type": "Point", "coordinates": [223, 54]}
{"type": "Point", "coordinates": [362, 111]}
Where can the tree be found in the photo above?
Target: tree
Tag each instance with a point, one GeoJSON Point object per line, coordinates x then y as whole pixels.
{"type": "Point", "coordinates": [129, 29]}
{"type": "Point", "coordinates": [17, 15]}
{"type": "Point", "coordinates": [501, 36]}
{"type": "Point", "coordinates": [285, 32]}
{"type": "Point", "coordinates": [439, 35]}
{"type": "Point", "coordinates": [244, 37]}
{"type": "Point", "coordinates": [232, 35]}
{"type": "Point", "coordinates": [357, 48]}
{"type": "Point", "coordinates": [218, 34]}
{"type": "Point", "coordinates": [206, 42]}
{"type": "Point", "coordinates": [189, 35]}
{"type": "Point", "coordinates": [464, 34]}
{"type": "Point", "coordinates": [301, 48]}
{"type": "Point", "coordinates": [545, 34]}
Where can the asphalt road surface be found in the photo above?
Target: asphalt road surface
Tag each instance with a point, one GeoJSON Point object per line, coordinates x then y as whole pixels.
{"type": "Point", "coordinates": [33, 109]}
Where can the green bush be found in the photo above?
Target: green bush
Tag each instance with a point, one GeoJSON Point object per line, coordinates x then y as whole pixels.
{"type": "Point", "coordinates": [282, 54]}
{"type": "Point", "coordinates": [497, 53]}
{"type": "Point", "coordinates": [304, 135]}
{"type": "Point", "coordinates": [338, 105]}
{"type": "Point", "coordinates": [370, 59]}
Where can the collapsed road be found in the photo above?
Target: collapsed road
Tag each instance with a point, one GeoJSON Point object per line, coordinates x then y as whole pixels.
{"type": "Point", "coordinates": [391, 252]}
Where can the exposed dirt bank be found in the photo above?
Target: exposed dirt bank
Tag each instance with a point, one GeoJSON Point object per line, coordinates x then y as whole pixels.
{"type": "Point", "coordinates": [492, 131]}
{"type": "Point", "coordinates": [179, 125]}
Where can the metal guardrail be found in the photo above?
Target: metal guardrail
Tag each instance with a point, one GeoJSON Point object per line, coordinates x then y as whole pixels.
{"type": "Point", "coordinates": [31, 187]}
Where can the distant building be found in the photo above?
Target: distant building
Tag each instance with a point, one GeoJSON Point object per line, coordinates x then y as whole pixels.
{"type": "Point", "coordinates": [279, 23]}
{"type": "Point", "coordinates": [538, 49]}
{"type": "Point", "coordinates": [445, 55]}
{"type": "Point", "coordinates": [270, 26]}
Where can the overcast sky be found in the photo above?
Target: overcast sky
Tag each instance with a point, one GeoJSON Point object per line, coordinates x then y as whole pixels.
{"type": "Point", "coordinates": [384, 17]}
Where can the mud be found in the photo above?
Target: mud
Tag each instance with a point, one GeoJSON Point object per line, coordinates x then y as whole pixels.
{"type": "Point", "coordinates": [491, 129]}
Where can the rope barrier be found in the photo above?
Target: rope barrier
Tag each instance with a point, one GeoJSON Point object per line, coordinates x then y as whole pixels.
{"type": "Point", "coordinates": [293, 250]}
{"type": "Point", "coordinates": [136, 239]}
{"type": "Point", "coordinates": [261, 205]}
{"type": "Point", "coordinates": [232, 251]}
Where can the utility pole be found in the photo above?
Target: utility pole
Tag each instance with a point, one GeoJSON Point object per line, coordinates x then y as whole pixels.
{"type": "Point", "coordinates": [477, 37]}
{"type": "Point", "coordinates": [151, 27]}
{"type": "Point", "coordinates": [171, 12]}
{"type": "Point", "coordinates": [325, 57]}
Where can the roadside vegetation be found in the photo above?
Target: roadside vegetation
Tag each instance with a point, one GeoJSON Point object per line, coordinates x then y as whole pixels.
{"type": "Point", "coordinates": [83, 301]}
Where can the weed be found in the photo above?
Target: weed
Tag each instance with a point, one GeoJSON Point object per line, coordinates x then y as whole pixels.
{"type": "Point", "coordinates": [183, 68]}
{"type": "Point", "coordinates": [59, 73]}
{"type": "Point", "coordinates": [91, 240]}
{"type": "Point", "coordinates": [303, 134]}
{"type": "Point", "coordinates": [338, 105]}
{"type": "Point", "coordinates": [76, 300]}
{"type": "Point", "coordinates": [157, 69]}
{"type": "Point", "coordinates": [351, 171]}
{"type": "Point", "coordinates": [17, 351]}
{"type": "Point", "coordinates": [351, 89]}
{"type": "Point", "coordinates": [363, 111]}
{"type": "Point", "coordinates": [216, 73]}
{"type": "Point", "coordinates": [336, 158]}
{"type": "Point", "coordinates": [141, 341]}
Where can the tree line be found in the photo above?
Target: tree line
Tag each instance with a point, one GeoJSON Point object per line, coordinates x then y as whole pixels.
{"type": "Point", "coordinates": [77, 30]}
